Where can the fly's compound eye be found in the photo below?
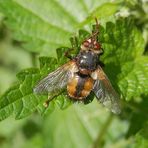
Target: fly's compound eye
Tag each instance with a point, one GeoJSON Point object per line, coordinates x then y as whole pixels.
{"type": "Point", "coordinates": [97, 46]}
{"type": "Point", "coordinates": [86, 44]}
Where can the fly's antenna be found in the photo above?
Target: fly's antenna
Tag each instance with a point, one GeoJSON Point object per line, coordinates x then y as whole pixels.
{"type": "Point", "coordinates": [95, 32]}
{"type": "Point", "coordinates": [97, 25]}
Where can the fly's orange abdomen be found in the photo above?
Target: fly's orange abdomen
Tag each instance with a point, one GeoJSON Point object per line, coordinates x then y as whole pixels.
{"type": "Point", "coordinates": [71, 87]}
{"type": "Point", "coordinates": [88, 86]}
{"type": "Point", "coordinates": [79, 87]}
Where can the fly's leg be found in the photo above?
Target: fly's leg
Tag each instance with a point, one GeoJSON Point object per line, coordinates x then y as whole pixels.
{"type": "Point", "coordinates": [46, 103]}
{"type": "Point", "coordinates": [102, 51]}
{"type": "Point", "coordinates": [67, 54]}
{"type": "Point", "coordinates": [95, 30]}
{"type": "Point", "coordinates": [74, 43]}
{"type": "Point", "coordinates": [50, 98]}
{"type": "Point", "coordinates": [101, 64]}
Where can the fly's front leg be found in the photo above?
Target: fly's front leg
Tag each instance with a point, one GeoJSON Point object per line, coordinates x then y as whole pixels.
{"type": "Point", "coordinates": [102, 51]}
{"type": "Point", "coordinates": [74, 44]}
{"type": "Point", "coordinates": [67, 54]}
{"type": "Point", "coordinates": [101, 64]}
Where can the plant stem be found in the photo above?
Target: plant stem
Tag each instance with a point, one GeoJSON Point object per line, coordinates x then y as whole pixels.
{"type": "Point", "coordinates": [97, 142]}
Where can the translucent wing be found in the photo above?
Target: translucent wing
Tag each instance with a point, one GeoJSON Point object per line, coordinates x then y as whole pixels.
{"type": "Point", "coordinates": [56, 80]}
{"type": "Point", "coordinates": [105, 92]}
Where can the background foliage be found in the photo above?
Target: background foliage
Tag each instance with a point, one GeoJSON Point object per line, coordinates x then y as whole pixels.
{"type": "Point", "coordinates": [30, 29]}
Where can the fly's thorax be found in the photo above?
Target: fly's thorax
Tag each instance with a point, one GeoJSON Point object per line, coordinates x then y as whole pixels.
{"type": "Point", "coordinates": [79, 87]}
{"type": "Point", "coordinates": [87, 62]}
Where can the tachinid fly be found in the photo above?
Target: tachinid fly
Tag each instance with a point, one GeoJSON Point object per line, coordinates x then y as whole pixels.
{"type": "Point", "coordinates": [81, 75]}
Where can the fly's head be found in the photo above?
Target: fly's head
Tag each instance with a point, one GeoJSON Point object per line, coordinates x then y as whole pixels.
{"type": "Point", "coordinates": [92, 44]}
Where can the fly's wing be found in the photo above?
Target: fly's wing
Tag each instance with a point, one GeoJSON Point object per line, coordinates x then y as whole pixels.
{"type": "Point", "coordinates": [105, 92]}
{"type": "Point", "coordinates": [56, 80]}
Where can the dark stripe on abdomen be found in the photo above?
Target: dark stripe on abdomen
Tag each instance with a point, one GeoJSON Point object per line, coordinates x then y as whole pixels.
{"type": "Point", "coordinates": [80, 86]}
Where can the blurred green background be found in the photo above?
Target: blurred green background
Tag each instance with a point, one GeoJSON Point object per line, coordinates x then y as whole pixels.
{"type": "Point", "coordinates": [78, 126]}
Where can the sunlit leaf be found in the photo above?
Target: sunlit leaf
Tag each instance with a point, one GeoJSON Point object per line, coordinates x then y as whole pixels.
{"type": "Point", "coordinates": [44, 26]}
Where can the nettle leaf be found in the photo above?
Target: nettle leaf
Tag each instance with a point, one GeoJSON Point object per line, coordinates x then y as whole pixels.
{"type": "Point", "coordinates": [81, 125]}
{"type": "Point", "coordinates": [60, 101]}
{"type": "Point", "coordinates": [138, 116]}
{"type": "Point", "coordinates": [40, 30]}
{"type": "Point", "coordinates": [20, 99]}
{"type": "Point", "coordinates": [141, 138]}
{"type": "Point", "coordinates": [43, 26]}
{"type": "Point", "coordinates": [125, 63]}
{"type": "Point", "coordinates": [135, 81]}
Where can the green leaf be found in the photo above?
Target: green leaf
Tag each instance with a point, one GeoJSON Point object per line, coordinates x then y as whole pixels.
{"type": "Point", "coordinates": [12, 59]}
{"type": "Point", "coordinates": [122, 42]}
{"type": "Point", "coordinates": [138, 116]}
{"type": "Point", "coordinates": [135, 81]}
{"type": "Point", "coordinates": [45, 26]}
{"type": "Point", "coordinates": [124, 46]}
{"type": "Point", "coordinates": [141, 138]}
{"type": "Point", "coordinates": [19, 99]}
{"type": "Point", "coordinates": [81, 126]}
{"type": "Point", "coordinates": [123, 58]}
